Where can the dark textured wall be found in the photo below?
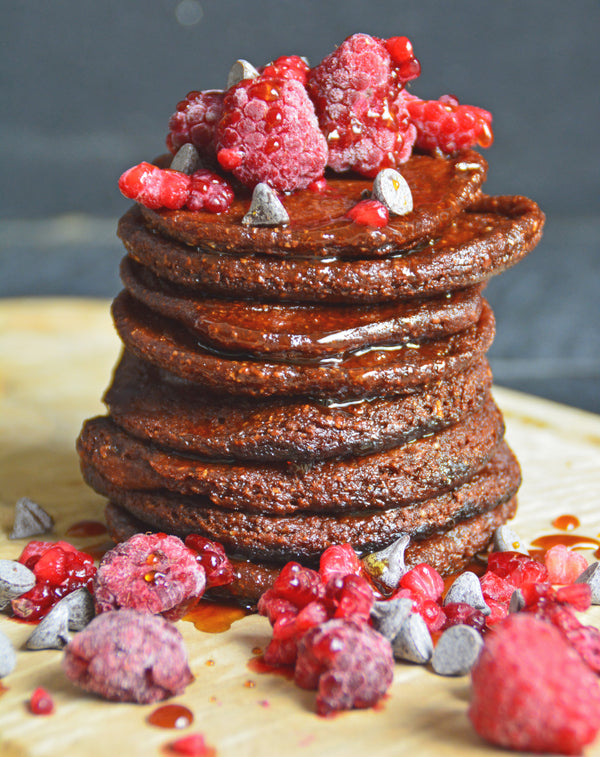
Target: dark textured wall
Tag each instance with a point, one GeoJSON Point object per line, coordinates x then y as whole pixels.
{"type": "Point", "coordinates": [87, 89]}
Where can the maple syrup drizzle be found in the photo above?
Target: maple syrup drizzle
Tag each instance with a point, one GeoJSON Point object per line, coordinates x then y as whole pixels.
{"type": "Point", "coordinates": [568, 540]}
{"type": "Point", "coordinates": [566, 522]}
{"type": "Point", "coordinates": [86, 528]}
{"type": "Point", "coordinates": [171, 716]}
{"type": "Point", "coordinates": [213, 617]}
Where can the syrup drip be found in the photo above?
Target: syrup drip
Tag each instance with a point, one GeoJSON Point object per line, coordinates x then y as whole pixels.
{"type": "Point", "coordinates": [86, 528]}
{"type": "Point", "coordinates": [258, 665]}
{"type": "Point", "coordinates": [171, 716]}
{"type": "Point", "coordinates": [211, 617]}
{"type": "Point", "coordinates": [566, 522]}
{"type": "Point", "coordinates": [249, 684]}
{"type": "Point", "coordinates": [568, 540]}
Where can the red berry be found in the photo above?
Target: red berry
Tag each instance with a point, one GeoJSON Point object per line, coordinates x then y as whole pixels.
{"type": "Point", "coordinates": [564, 565]}
{"type": "Point", "coordinates": [269, 133]}
{"type": "Point", "coordinates": [369, 213]}
{"type": "Point", "coordinates": [433, 615]}
{"type": "Point", "coordinates": [461, 614]}
{"type": "Point", "coordinates": [516, 568]}
{"type": "Point", "coordinates": [403, 58]}
{"type": "Point", "coordinates": [192, 745]}
{"type": "Point", "coordinates": [155, 187]}
{"type": "Point", "coordinates": [531, 692]}
{"type": "Point", "coordinates": [339, 559]}
{"type": "Point", "coordinates": [349, 597]}
{"type": "Point", "coordinates": [496, 588]}
{"type": "Point", "coordinates": [351, 665]}
{"type": "Point", "coordinates": [362, 113]}
{"type": "Point", "coordinates": [287, 67]}
{"type": "Point", "coordinates": [444, 125]}
{"type": "Point", "coordinates": [298, 585]}
{"type": "Point", "coordinates": [424, 581]}
{"type": "Point", "coordinates": [195, 121]}
{"type": "Point", "coordinates": [41, 702]}
{"type": "Point", "coordinates": [212, 558]}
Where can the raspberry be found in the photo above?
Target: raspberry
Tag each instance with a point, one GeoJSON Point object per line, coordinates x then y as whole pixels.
{"type": "Point", "coordinates": [516, 568]}
{"type": "Point", "coordinates": [339, 559]}
{"type": "Point", "coordinates": [128, 656]}
{"type": "Point", "coordinates": [402, 55]}
{"type": "Point", "coordinates": [495, 588]}
{"type": "Point", "coordinates": [195, 121]}
{"type": "Point", "coordinates": [424, 581]}
{"type": "Point", "coordinates": [155, 187]}
{"type": "Point", "coordinates": [209, 191]}
{"type": "Point", "coordinates": [531, 692]}
{"type": "Point", "coordinates": [350, 664]}
{"type": "Point", "coordinates": [41, 702]}
{"type": "Point", "coordinates": [349, 597]}
{"type": "Point", "coordinates": [152, 573]}
{"type": "Point", "coordinates": [369, 213]}
{"type": "Point", "coordinates": [269, 133]}
{"type": "Point", "coordinates": [192, 745]}
{"type": "Point", "coordinates": [298, 585]}
{"type": "Point", "coordinates": [564, 566]}
{"type": "Point", "coordinates": [59, 569]}
{"type": "Point", "coordinates": [287, 67]}
{"type": "Point", "coordinates": [461, 614]}
{"type": "Point", "coordinates": [211, 556]}
{"type": "Point", "coordinates": [445, 125]}
{"type": "Point", "coordinates": [360, 105]}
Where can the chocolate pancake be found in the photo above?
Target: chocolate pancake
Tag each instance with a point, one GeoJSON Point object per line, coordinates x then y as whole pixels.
{"type": "Point", "coordinates": [301, 331]}
{"type": "Point", "coordinates": [373, 372]}
{"type": "Point", "coordinates": [489, 237]}
{"type": "Point", "coordinates": [145, 401]}
{"type": "Point", "coordinates": [414, 471]}
{"type": "Point", "coordinates": [305, 537]}
{"type": "Point", "coordinates": [441, 188]}
{"type": "Point", "coordinates": [448, 552]}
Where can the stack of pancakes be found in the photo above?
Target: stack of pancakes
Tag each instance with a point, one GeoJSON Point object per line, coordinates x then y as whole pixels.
{"type": "Point", "coordinates": [286, 388]}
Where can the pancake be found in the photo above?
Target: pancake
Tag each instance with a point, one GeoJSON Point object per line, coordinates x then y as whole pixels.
{"type": "Point", "coordinates": [447, 552]}
{"type": "Point", "coordinates": [414, 471]}
{"type": "Point", "coordinates": [305, 537]}
{"type": "Point", "coordinates": [372, 372]}
{"type": "Point", "coordinates": [441, 188]}
{"type": "Point", "coordinates": [150, 404]}
{"type": "Point", "coordinates": [490, 236]}
{"type": "Point", "coordinates": [306, 332]}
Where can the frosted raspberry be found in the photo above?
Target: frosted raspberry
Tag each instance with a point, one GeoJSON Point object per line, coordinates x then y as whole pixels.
{"type": "Point", "coordinates": [155, 187]}
{"type": "Point", "coordinates": [152, 573]}
{"type": "Point", "coordinates": [446, 126]}
{"type": "Point", "coordinates": [360, 106]}
{"type": "Point", "coordinates": [287, 67]}
{"type": "Point", "coordinates": [195, 121]}
{"type": "Point", "coordinates": [209, 191]}
{"type": "Point", "coordinates": [128, 656]}
{"type": "Point", "coordinates": [269, 133]}
{"type": "Point", "coordinates": [532, 692]}
{"type": "Point", "coordinates": [350, 664]}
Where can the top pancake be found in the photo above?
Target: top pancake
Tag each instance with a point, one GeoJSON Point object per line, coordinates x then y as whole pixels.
{"type": "Point", "coordinates": [441, 188]}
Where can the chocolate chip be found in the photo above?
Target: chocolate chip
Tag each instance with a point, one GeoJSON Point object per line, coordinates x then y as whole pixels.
{"type": "Point", "coordinates": [467, 589]}
{"type": "Point", "coordinates": [186, 159]}
{"type": "Point", "coordinates": [266, 209]}
{"type": "Point", "coordinates": [389, 616]}
{"type": "Point", "coordinates": [30, 520]}
{"type": "Point", "coordinates": [387, 566]}
{"type": "Point", "coordinates": [80, 606]}
{"type": "Point", "coordinates": [457, 651]}
{"type": "Point", "coordinates": [52, 632]}
{"type": "Point", "coordinates": [15, 580]}
{"type": "Point", "coordinates": [591, 576]}
{"type": "Point", "coordinates": [241, 70]}
{"type": "Point", "coordinates": [517, 601]}
{"type": "Point", "coordinates": [413, 642]}
{"type": "Point", "coordinates": [506, 540]}
{"type": "Point", "coordinates": [391, 189]}
{"type": "Point", "coordinates": [8, 657]}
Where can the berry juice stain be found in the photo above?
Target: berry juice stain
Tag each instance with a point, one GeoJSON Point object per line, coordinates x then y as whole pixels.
{"type": "Point", "coordinates": [258, 665]}
{"type": "Point", "coordinates": [97, 551]}
{"type": "Point", "coordinates": [171, 716]}
{"type": "Point", "coordinates": [213, 617]}
{"type": "Point", "coordinates": [566, 522]}
{"type": "Point", "coordinates": [86, 528]}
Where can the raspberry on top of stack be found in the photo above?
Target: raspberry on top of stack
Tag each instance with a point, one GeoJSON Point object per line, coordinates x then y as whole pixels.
{"type": "Point", "coordinates": [303, 324]}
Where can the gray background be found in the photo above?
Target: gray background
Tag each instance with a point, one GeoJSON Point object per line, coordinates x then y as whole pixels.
{"type": "Point", "coordinates": [87, 89]}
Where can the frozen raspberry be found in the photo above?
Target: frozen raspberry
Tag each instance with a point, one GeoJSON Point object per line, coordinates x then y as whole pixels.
{"type": "Point", "coordinates": [287, 67]}
{"type": "Point", "coordinates": [339, 559]}
{"type": "Point", "coordinates": [357, 92]}
{"type": "Point", "coordinates": [406, 66]}
{"type": "Point", "coordinates": [155, 187]}
{"type": "Point", "coordinates": [564, 566]}
{"type": "Point", "coordinates": [152, 573]}
{"type": "Point", "coordinates": [531, 692]}
{"type": "Point", "coordinates": [424, 581]}
{"type": "Point", "coordinates": [446, 126]}
{"type": "Point", "coordinates": [369, 213]}
{"type": "Point", "coordinates": [209, 191]}
{"type": "Point", "coordinates": [461, 614]}
{"type": "Point", "coordinates": [349, 597]}
{"type": "Point", "coordinates": [41, 702]}
{"type": "Point", "coordinates": [195, 121]}
{"type": "Point", "coordinates": [128, 656]}
{"type": "Point", "coordinates": [59, 569]}
{"type": "Point", "coordinates": [350, 664]}
{"type": "Point", "coordinates": [211, 556]}
{"type": "Point", "coordinates": [269, 133]}
{"type": "Point", "coordinates": [298, 584]}
{"type": "Point", "coordinates": [516, 568]}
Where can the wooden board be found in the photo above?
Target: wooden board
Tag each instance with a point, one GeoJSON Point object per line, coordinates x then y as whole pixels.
{"type": "Point", "coordinates": [55, 361]}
